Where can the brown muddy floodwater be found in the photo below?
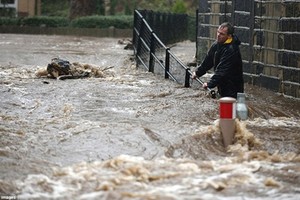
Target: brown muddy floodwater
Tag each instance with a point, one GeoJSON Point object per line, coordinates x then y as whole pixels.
{"type": "Point", "coordinates": [132, 134]}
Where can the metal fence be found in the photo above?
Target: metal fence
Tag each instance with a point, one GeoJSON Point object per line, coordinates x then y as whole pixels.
{"type": "Point", "coordinates": [152, 54]}
{"type": "Point", "coordinates": [170, 28]}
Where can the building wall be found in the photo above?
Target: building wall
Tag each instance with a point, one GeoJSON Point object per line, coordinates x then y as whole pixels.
{"type": "Point", "coordinates": [23, 8]}
{"type": "Point", "coordinates": [8, 8]}
{"type": "Point", "coordinates": [270, 35]}
{"type": "Point", "coordinates": [11, 4]}
{"type": "Point", "coordinates": [29, 7]}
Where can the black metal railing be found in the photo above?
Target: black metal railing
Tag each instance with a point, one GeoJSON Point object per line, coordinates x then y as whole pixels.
{"type": "Point", "coordinates": [170, 28]}
{"type": "Point", "coordinates": [151, 53]}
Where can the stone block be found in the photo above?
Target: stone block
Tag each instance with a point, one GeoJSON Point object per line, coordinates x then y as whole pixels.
{"type": "Point", "coordinates": [283, 58]}
{"type": "Point", "coordinates": [293, 25]}
{"type": "Point", "coordinates": [294, 60]}
{"type": "Point", "coordinates": [275, 40]}
{"type": "Point", "coordinates": [276, 72]}
{"type": "Point", "coordinates": [245, 52]}
{"type": "Point", "coordinates": [213, 32]}
{"type": "Point", "coordinates": [259, 8]}
{"type": "Point", "coordinates": [250, 78]}
{"type": "Point", "coordinates": [269, 39]}
{"type": "Point", "coordinates": [280, 39]}
{"type": "Point", "coordinates": [259, 69]}
{"type": "Point", "coordinates": [247, 68]}
{"type": "Point", "coordinates": [269, 56]}
{"type": "Point", "coordinates": [242, 19]}
{"type": "Point", "coordinates": [291, 75]}
{"type": "Point", "coordinates": [269, 8]}
{"type": "Point", "coordinates": [269, 82]}
{"type": "Point", "coordinates": [215, 19]}
{"type": "Point", "coordinates": [292, 9]}
{"type": "Point", "coordinates": [225, 18]}
{"type": "Point", "coordinates": [290, 59]}
{"type": "Point", "coordinates": [225, 8]}
{"type": "Point", "coordinates": [207, 18]}
{"type": "Point", "coordinates": [277, 9]}
{"type": "Point", "coordinates": [291, 89]}
{"type": "Point", "coordinates": [201, 19]}
{"type": "Point", "coordinates": [215, 7]}
{"type": "Point", "coordinates": [243, 34]}
{"type": "Point", "coordinates": [259, 38]}
{"type": "Point", "coordinates": [257, 54]}
{"type": "Point", "coordinates": [295, 42]}
{"type": "Point", "coordinates": [287, 41]}
{"type": "Point", "coordinates": [203, 6]}
{"type": "Point", "coordinates": [256, 80]}
{"type": "Point", "coordinates": [290, 25]}
{"type": "Point", "coordinates": [272, 24]}
{"type": "Point", "coordinates": [283, 25]}
{"type": "Point", "coordinates": [243, 5]}
{"type": "Point", "coordinates": [203, 31]}
{"type": "Point", "coordinates": [202, 48]}
{"type": "Point", "coordinates": [257, 23]}
{"type": "Point", "coordinates": [267, 70]}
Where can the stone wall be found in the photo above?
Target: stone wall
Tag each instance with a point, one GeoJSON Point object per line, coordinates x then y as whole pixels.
{"type": "Point", "coordinates": [270, 35]}
{"type": "Point", "coordinates": [90, 32]}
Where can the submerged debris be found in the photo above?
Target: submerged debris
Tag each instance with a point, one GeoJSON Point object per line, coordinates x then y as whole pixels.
{"type": "Point", "coordinates": [63, 69]}
{"type": "Point", "coordinates": [127, 42]}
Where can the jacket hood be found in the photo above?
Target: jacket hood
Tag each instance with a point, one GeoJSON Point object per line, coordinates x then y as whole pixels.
{"type": "Point", "coordinates": [236, 40]}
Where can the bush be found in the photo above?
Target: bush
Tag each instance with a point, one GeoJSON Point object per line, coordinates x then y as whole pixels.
{"type": "Point", "coordinates": [192, 28]}
{"type": "Point", "coordinates": [117, 21]}
{"type": "Point", "coordinates": [179, 7]}
{"type": "Point", "coordinates": [45, 21]}
{"type": "Point", "coordinates": [9, 21]}
{"type": "Point", "coordinates": [121, 22]}
{"type": "Point", "coordinates": [58, 8]}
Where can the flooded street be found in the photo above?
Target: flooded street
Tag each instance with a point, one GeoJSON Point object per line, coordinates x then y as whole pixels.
{"type": "Point", "coordinates": [132, 134]}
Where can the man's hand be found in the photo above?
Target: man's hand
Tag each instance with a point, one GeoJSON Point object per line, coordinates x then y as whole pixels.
{"type": "Point", "coordinates": [204, 86]}
{"type": "Point", "coordinates": [194, 76]}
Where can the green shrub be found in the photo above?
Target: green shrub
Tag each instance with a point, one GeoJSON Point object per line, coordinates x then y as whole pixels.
{"type": "Point", "coordinates": [58, 8]}
{"type": "Point", "coordinates": [121, 22]}
{"type": "Point", "coordinates": [9, 21]}
{"type": "Point", "coordinates": [179, 7]}
{"type": "Point", "coordinates": [192, 28]}
{"type": "Point", "coordinates": [45, 21]}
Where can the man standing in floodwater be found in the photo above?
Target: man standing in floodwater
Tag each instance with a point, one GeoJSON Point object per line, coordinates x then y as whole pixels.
{"type": "Point", "coordinates": [224, 55]}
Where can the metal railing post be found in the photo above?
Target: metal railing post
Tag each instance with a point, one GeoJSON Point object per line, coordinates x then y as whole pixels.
{"type": "Point", "coordinates": [167, 63]}
{"type": "Point", "coordinates": [152, 52]}
{"type": "Point", "coordinates": [134, 32]}
{"type": "Point", "coordinates": [187, 78]}
{"type": "Point", "coordinates": [139, 41]}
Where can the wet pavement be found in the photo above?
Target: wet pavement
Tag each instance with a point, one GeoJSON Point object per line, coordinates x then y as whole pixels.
{"type": "Point", "coordinates": [132, 134]}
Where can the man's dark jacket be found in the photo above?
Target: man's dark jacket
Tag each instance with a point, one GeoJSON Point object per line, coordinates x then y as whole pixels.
{"type": "Point", "coordinates": [227, 62]}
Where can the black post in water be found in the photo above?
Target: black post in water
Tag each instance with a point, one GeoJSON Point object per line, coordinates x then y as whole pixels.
{"type": "Point", "coordinates": [167, 67]}
{"type": "Point", "coordinates": [135, 31]}
{"type": "Point", "coordinates": [187, 78]}
{"type": "Point", "coordinates": [152, 53]}
{"type": "Point", "coordinates": [139, 40]}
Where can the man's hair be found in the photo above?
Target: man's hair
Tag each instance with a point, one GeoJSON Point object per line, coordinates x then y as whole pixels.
{"type": "Point", "coordinates": [230, 28]}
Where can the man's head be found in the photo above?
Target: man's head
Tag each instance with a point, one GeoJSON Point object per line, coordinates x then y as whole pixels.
{"type": "Point", "coordinates": [224, 32]}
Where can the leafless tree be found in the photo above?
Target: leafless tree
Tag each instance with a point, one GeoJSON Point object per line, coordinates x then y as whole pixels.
{"type": "Point", "coordinates": [79, 8]}
{"type": "Point", "coordinates": [107, 5]}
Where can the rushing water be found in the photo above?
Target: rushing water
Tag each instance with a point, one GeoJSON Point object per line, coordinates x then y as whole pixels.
{"type": "Point", "coordinates": [131, 134]}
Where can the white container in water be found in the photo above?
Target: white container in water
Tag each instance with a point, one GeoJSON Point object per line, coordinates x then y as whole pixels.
{"type": "Point", "coordinates": [241, 107]}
